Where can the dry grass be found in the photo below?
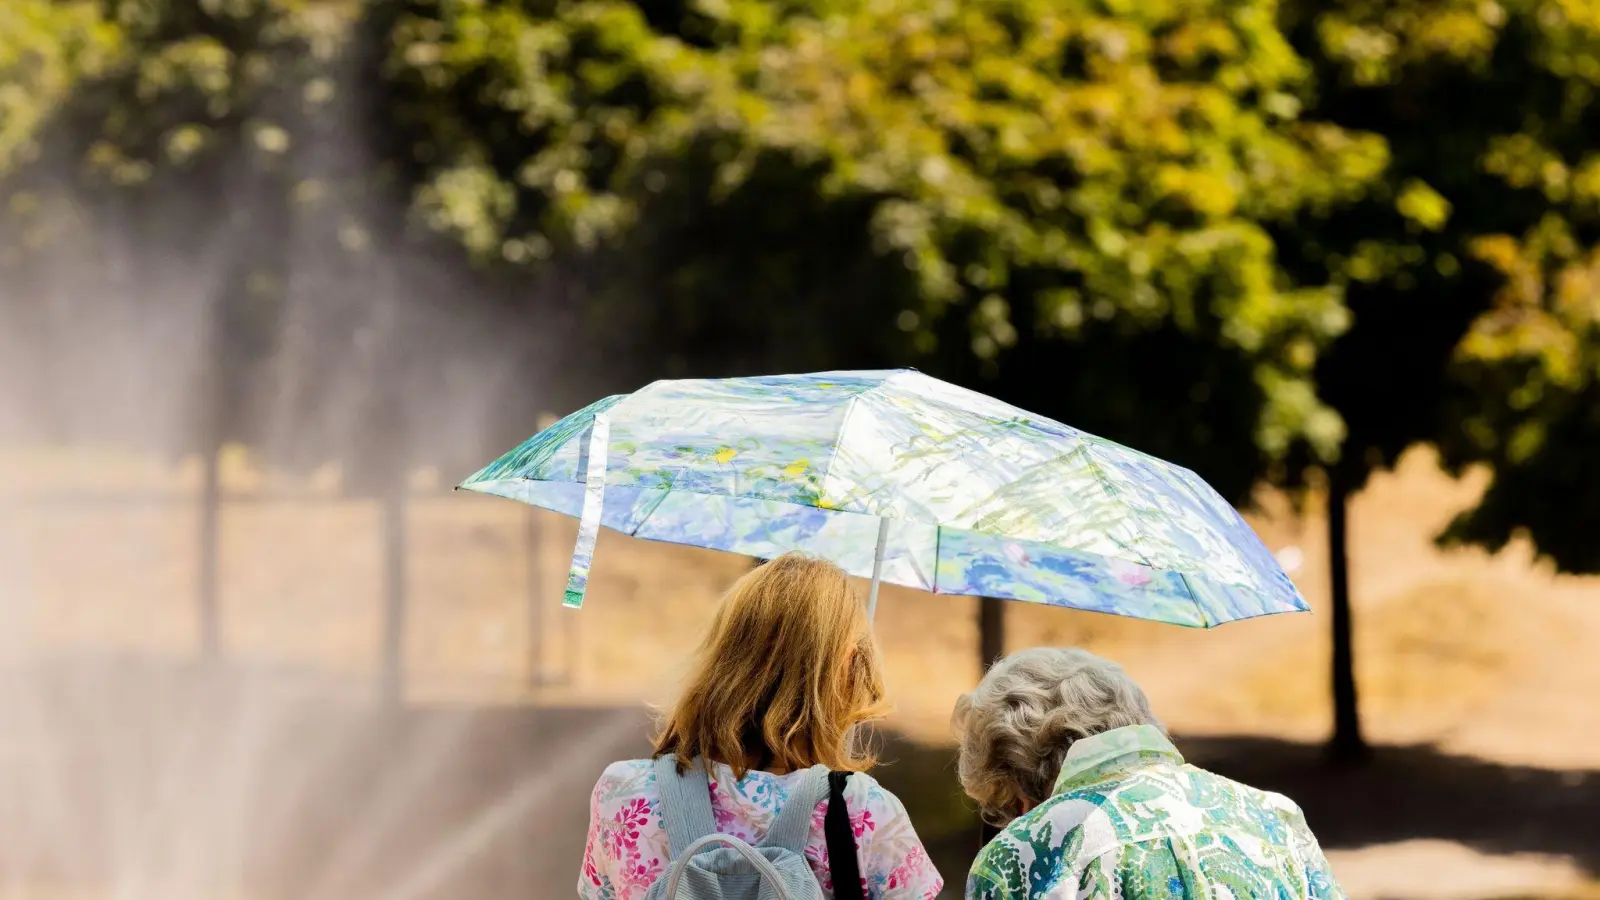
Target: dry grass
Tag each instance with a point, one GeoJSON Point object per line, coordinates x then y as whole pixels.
{"type": "Point", "coordinates": [1440, 636]}
{"type": "Point", "coordinates": [1425, 660]}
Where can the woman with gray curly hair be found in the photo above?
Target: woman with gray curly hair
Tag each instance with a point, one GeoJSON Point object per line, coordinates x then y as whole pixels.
{"type": "Point", "coordinates": [1060, 748]}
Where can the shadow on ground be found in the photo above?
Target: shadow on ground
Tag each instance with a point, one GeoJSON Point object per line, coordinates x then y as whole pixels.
{"type": "Point", "coordinates": [150, 780]}
{"type": "Point", "coordinates": [1405, 793]}
{"type": "Point", "coordinates": [1410, 792]}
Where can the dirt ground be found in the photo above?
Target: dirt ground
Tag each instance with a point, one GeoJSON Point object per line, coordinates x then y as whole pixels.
{"type": "Point", "coordinates": [1475, 671]}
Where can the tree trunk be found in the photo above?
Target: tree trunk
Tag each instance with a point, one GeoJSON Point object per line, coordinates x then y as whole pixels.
{"type": "Point", "coordinates": [1347, 746]}
{"type": "Point", "coordinates": [991, 631]}
{"type": "Point", "coordinates": [991, 646]}
{"type": "Point", "coordinates": [206, 588]}
{"type": "Point", "coordinates": [392, 674]}
{"type": "Point", "coordinates": [535, 535]}
{"type": "Point", "coordinates": [214, 394]}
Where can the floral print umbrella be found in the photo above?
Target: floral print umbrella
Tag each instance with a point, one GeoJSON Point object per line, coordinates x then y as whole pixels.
{"type": "Point", "coordinates": [898, 476]}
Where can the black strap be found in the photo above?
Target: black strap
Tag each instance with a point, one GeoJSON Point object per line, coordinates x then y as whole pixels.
{"type": "Point", "coordinates": [842, 862]}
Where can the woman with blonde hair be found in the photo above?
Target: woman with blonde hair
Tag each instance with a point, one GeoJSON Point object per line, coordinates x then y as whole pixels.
{"type": "Point", "coordinates": [786, 674]}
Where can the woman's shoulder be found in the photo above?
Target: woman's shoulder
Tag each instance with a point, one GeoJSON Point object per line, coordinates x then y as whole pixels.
{"type": "Point", "coordinates": [863, 784]}
{"type": "Point", "coordinates": [864, 794]}
{"type": "Point", "coordinates": [626, 777]}
{"type": "Point", "coordinates": [893, 860]}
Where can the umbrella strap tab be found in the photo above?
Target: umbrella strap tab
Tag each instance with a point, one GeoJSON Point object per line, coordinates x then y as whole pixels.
{"type": "Point", "coordinates": [594, 499]}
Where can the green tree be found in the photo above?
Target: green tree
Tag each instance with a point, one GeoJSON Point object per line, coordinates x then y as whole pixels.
{"type": "Point", "coordinates": [212, 166]}
{"type": "Point", "coordinates": [1091, 165]}
{"type": "Point", "coordinates": [1473, 327]}
{"type": "Point", "coordinates": [1071, 206]}
{"type": "Point", "coordinates": [1532, 365]}
{"type": "Point", "coordinates": [1037, 179]}
{"type": "Point", "coordinates": [46, 49]}
{"type": "Point", "coordinates": [172, 154]}
{"type": "Point", "coordinates": [164, 174]}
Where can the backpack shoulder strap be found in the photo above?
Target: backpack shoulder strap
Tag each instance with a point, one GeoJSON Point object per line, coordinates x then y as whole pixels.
{"type": "Point", "coordinates": [685, 803]}
{"type": "Point", "coordinates": [792, 825]}
{"type": "Point", "coordinates": [843, 864]}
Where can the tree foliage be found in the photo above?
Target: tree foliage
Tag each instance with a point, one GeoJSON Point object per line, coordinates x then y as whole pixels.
{"type": "Point", "coordinates": [1156, 220]}
{"type": "Point", "coordinates": [46, 49]}
{"type": "Point", "coordinates": [1469, 264]}
{"type": "Point", "coordinates": [216, 167]}
{"type": "Point", "coordinates": [1010, 175]}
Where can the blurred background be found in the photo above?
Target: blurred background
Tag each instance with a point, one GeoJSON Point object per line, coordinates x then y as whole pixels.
{"type": "Point", "coordinates": [275, 274]}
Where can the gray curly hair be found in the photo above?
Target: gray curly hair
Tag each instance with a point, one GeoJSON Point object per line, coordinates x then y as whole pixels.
{"type": "Point", "coordinates": [1018, 725]}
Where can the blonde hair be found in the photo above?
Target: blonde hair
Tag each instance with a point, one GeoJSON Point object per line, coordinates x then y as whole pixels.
{"type": "Point", "coordinates": [786, 673]}
{"type": "Point", "coordinates": [1018, 724]}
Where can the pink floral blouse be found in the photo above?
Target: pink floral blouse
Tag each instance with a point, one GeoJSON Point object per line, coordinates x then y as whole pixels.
{"type": "Point", "coordinates": [628, 850]}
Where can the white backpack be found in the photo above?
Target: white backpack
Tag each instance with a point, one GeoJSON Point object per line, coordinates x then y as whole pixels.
{"type": "Point", "coordinates": [710, 866]}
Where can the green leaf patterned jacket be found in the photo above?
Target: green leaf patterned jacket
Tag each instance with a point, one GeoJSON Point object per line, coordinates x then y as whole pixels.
{"type": "Point", "coordinates": [1130, 820]}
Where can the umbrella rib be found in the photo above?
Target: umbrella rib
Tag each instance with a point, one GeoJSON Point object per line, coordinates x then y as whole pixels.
{"type": "Point", "coordinates": [1084, 447]}
{"type": "Point", "coordinates": [844, 423]}
{"type": "Point", "coordinates": [661, 498]}
{"type": "Point", "coordinates": [1205, 617]}
{"type": "Point", "coordinates": [838, 445]}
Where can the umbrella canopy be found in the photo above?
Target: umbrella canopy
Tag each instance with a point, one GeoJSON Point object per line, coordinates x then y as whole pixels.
{"type": "Point", "coordinates": [898, 474]}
